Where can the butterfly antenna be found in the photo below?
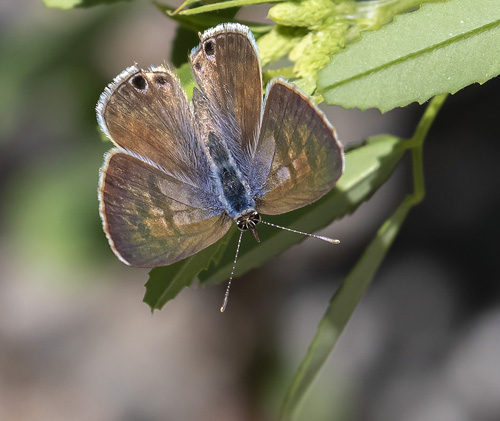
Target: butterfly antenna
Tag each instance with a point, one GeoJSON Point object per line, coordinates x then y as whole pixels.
{"type": "Point", "coordinates": [226, 295]}
{"type": "Point", "coordinates": [319, 237]}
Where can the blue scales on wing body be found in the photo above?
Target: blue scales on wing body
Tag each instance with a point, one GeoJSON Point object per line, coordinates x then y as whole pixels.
{"type": "Point", "coordinates": [237, 196]}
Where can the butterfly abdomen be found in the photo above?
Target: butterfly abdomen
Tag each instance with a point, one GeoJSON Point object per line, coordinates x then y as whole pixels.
{"type": "Point", "coordinates": [237, 197]}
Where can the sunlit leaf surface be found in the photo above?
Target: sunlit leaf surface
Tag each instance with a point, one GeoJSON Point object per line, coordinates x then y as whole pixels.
{"type": "Point", "coordinates": [441, 48]}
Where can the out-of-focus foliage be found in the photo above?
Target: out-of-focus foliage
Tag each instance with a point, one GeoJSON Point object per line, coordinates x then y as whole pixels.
{"type": "Point", "coordinates": [70, 4]}
{"type": "Point", "coordinates": [50, 147]}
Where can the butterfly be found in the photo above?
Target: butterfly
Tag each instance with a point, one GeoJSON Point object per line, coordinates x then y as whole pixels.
{"type": "Point", "coordinates": [182, 173]}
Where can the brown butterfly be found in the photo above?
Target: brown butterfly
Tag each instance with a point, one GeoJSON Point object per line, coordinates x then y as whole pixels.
{"type": "Point", "coordinates": [182, 173]}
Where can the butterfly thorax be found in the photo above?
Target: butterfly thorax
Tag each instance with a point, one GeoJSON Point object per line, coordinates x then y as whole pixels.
{"type": "Point", "coordinates": [234, 190]}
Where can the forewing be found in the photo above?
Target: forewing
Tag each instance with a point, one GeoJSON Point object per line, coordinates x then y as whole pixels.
{"type": "Point", "coordinates": [226, 67]}
{"type": "Point", "coordinates": [146, 112]}
{"type": "Point", "coordinates": [151, 218]}
{"type": "Point", "coordinates": [298, 158]}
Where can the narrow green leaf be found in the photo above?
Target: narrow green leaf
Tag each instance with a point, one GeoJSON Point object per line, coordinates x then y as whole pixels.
{"type": "Point", "coordinates": [62, 4]}
{"type": "Point", "coordinates": [199, 23]}
{"type": "Point", "coordinates": [167, 281]}
{"type": "Point", "coordinates": [70, 4]}
{"type": "Point", "coordinates": [341, 308]}
{"type": "Point", "coordinates": [222, 5]}
{"type": "Point", "coordinates": [441, 48]}
{"type": "Point", "coordinates": [367, 168]}
{"type": "Point", "coordinates": [347, 297]}
{"type": "Point", "coordinates": [182, 7]}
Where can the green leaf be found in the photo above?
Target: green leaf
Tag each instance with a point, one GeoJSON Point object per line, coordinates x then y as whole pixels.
{"type": "Point", "coordinates": [182, 7]}
{"type": "Point", "coordinates": [329, 25]}
{"type": "Point", "coordinates": [367, 168]}
{"type": "Point", "coordinates": [221, 5]}
{"type": "Point", "coordinates": [167, 281]}
{"type": "Point", "coordinates": [186, 78]}
{"type": "Point", "coordinates": [341, 308]}
{"type": "Point", "coordinates": [70, 4]}
{"type": "Point", "coordinates": [441, 48]}
{"type": "Point", "coordinates": [199, 23]}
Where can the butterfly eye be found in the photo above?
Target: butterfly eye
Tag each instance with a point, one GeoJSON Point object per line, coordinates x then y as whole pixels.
{"type": "Point", "coordinates": [209, 47]}
{"type": "Point", "coordinates": [139, 82]}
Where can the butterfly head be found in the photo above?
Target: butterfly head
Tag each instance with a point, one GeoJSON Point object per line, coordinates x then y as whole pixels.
{"type": "Point", "coordinates": [249, 221]}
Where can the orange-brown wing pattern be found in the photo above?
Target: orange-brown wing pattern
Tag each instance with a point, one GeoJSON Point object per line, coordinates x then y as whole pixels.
{"type": "Point", "coordinates": [152, 219]}
{"type": "Point", "coordinates": [307, 160]}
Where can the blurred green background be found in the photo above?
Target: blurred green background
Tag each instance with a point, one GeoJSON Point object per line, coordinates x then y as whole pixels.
{"type": "Point", "coordinates": [77, 343]}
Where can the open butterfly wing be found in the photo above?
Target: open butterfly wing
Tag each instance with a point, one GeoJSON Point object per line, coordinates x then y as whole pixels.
{"type": "Point", "coordinates": [298, 158]}
{"type": "Point", "coordinates": [151, 218]}
{"type": "Point", "coordinates": [146, 112]}
{"type": "Point", "coordinates": [226, 67]}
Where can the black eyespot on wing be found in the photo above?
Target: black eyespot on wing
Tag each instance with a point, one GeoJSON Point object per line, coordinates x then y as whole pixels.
{"type": "Point", "coordinates": [197, 66]}
{"type": "Point", "coordinates": [161, 80]}
{"type": "Point", "coordinates": [139, 82]}
{"type": "Point", "coordinates": [209, 47]}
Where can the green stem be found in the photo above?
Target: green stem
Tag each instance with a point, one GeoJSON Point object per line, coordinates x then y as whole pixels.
{"type": "Point", "coordinates": [418, 175]}
{"type": "Point", "coordinates": [426, 121]}
{"type": "Point", "coordinates": [416, 143]}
